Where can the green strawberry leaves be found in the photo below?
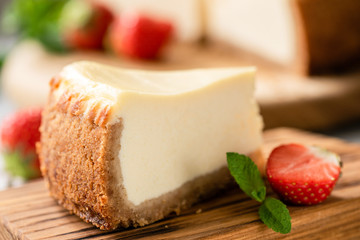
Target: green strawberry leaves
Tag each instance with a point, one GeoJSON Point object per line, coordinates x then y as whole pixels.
{"type": "Point", "coordinates": [272, 211]}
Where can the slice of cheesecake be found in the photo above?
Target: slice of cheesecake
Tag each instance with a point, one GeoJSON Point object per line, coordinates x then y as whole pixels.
{"type": "Point", "coordinates": [126, 147]}
{"type": "Point", "coordinates": [308, 35]}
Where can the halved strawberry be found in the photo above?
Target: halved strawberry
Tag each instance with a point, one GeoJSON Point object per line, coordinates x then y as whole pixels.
{"type": "Point", "coordinates": [302, 175]}
{"type": "Point", "coordinates": [85, 23]}
{"type": "Point", "coordinates": [19, 134]}
{"type": "Point", "coordinates": [139, 36]}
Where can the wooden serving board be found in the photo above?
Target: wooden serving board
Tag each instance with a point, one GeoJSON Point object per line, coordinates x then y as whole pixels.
{"type": "Point", "coordinates": [285, 99]}
{"type": "Point", "coordinates": [29, 213]}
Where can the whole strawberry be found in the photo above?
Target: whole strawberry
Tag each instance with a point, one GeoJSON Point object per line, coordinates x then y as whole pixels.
{"type": "Point", "coordinates": [303, 175]}
{"type": "Point", "coordinates": [139, 36]}
{"type": "Point", "coordinates": [85, 23]}
{"type": "Point", "coordinates": [19, 134]}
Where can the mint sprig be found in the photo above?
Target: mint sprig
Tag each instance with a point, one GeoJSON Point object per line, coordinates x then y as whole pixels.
{"type": "Point", "coordinates": [247, 175]}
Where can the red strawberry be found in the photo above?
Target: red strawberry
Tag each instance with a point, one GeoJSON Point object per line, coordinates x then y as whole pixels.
{"type": "Point", "coordinates": [85, 24]}
{"type": "Point", "coordinates": [303, 175]}
{"type": "Point", "coordinates": [19, 134]}
{"type": "Point", "coordinates": [139, 36]}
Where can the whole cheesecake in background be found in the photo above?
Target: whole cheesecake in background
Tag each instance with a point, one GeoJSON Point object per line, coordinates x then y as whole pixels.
{"type": "Point", "coordinates": [128, 147]}
{"type": "Point", "coordinates": [309, 36]}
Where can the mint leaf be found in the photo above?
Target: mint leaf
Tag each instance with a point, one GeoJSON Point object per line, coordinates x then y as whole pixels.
{"type": "Point", "coordinates": [259, 195]}
{"type": "Point", "coordinates": [247, 175]}
{"type": "Point", "coordinates": [275, 215]}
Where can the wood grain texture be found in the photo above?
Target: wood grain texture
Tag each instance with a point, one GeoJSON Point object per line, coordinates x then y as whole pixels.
{"type": "Point", "coordinates": [29, 213]}
{"type": "Point", "coordinates": [285, 99]}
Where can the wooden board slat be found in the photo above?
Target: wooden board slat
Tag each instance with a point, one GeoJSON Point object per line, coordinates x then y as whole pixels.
{"type": "Point", "coordinates": [285, 99]}
{"type": "Point", "coordinates": [29, 213]}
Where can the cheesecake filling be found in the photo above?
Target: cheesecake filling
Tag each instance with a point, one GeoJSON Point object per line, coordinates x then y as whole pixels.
{"type": "Point", "coordinates": [176, 125]}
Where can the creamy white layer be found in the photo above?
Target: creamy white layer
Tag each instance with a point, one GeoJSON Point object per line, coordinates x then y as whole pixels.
{"type": "Point", "coordinates": [177, 125]}
{"type": "Point", "coordinates": [266, 27]}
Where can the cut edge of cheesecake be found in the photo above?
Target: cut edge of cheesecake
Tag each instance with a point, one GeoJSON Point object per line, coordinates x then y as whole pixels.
{"type": "Point", "coordinates": [93, 189]}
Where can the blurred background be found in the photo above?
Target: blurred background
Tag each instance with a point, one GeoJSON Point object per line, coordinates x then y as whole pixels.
{"type": "Point", "coordinates": [309, 70]}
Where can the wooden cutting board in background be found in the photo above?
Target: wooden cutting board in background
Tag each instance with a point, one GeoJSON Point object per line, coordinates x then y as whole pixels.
{"type": "Point", "coordinates": [29, 213]}
{"type": "Point", "coordinates": [285, 99]}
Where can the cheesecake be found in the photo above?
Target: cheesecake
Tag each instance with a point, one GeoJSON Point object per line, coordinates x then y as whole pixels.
{"type": "Point", "coordinates": [124, 147]}
{"type": "Point", "coordinates": [308, 36]}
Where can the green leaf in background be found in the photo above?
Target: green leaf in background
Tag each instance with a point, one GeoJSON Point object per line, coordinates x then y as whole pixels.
{"type": "Point", "coordinates": [19, 165]}
{"type": "Point", "coordinates": [2, 59]}
{"type": "Point", "coordinates": [36, 19]}
{"type": "Point", "coordinates": [247, 175]}
{"type": "Point", "coordinates": [275, 215]}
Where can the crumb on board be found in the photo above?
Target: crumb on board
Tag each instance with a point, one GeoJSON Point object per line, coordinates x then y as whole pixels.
{"type": "Point", "coordinates": [198, 211]}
